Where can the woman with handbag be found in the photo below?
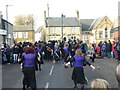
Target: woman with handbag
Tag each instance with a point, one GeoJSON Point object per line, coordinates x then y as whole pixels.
{"type": "Point", "coordinates": [29, 62]}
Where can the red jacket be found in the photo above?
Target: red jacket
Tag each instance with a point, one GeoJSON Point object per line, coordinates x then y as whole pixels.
{"type": "Point", "coordinates": [113, 49]}
{"type": "Point", "coordinates": [98, 49]}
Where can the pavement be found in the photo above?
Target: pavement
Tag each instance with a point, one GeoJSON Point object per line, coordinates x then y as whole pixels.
{"type": "Point", "coordinates": [56, 76]}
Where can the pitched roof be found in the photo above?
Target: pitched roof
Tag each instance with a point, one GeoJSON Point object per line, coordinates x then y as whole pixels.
{"type": "Point", "coordinates": [67, 22]}
{"type": "Point", "coordinates": [86, 23]}
{"type": "Point", "coordinates": [22, 28]}
{"type": "Point", "coordinates": [114, 29]}
{"type": "Point", "coordinates": [95, 23]}
{"type": "Point", "coordinates": [39, 29]}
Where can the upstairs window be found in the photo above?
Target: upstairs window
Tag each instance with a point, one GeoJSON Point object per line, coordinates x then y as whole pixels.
{"type": "Point", "coordinates": [73, 30]}
{"type": "Point", "coordinates": [106, 33]}
{"type": "Point", "coordinates": [111, 35]}
{"type": "Point", "coordinates": [64, 30]}
{"type": "Point", "coordinates": [100, 34]}
{"type": "Point", "coordinates": [19, 34]}
{"type": "Point", "coordinates": [15, 34]}
{"type": "Point", "coordinates": [25, 34]}
{"type": "Point", "coordinates": [53, 30]}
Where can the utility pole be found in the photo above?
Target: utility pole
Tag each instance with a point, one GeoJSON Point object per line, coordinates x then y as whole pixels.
{"type": "Point", "coordinates": [62, 25]}
{"type": "Point", "coordinates": [7, 11]}
{"type": "Point", "coordinates": [7, 21]}
{"type": "Point", "coordinates": [48, 21]}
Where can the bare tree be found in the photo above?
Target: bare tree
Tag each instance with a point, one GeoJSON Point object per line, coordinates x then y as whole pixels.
{"type": "Point", "coordinates": [24, 20]}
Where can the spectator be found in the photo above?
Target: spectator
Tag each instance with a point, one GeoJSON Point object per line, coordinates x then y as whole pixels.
{"type": "Point", "coordinates": [91, 53]}
{"type": "Point", "coordinates": [109, 49]}
{"type": "Point", "coordinates": [100, 84]}
{"type": "Point", "coordinates": [103, 49]}
{"type": "Point", "coordinates": [98, 49]}
{"type": "Point", "coordinates": [113, 50]}
{"type": "Point", "coordinates": [100, 44]}
{"type": "Point", "coordinates": [8, 53]}
{"type": "Point", "coordinates": [15, 54]}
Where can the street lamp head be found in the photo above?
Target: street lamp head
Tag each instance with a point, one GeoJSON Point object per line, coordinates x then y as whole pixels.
{"type": "Point", "coordinates": [9, 5]}
{"type": "Point", "coordinates": [63, 15]}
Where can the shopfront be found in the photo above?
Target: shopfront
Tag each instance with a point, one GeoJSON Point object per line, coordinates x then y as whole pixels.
{"type": "Point", "coordinates": [3, 34]}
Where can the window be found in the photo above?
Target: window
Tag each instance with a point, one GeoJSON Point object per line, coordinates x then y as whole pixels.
{"type": "Point", "coordinates": [63, 30]}
{"type": "Point", "coordinates": [73, 30]}
{"type": "Point", "coordinates": [25, 41]}
{"type": "Point", "coordinates": [100, 34]}
{"type": "Point", "coordinates": [53, 30]}
{"type": "Point", "coordinates": [25, 34]}
{"type": "Point", "coordinates": [15, 34]}
{"type": "Point", "coordinates": [84, 37]}
{"type": "Point", "coordinates": [19, 34]}
{"type": "Point", "coordinates": [111, 35]}
{"type": "Point", "coordinates": [106, 33]}
{"type": "Point", "coordinates": [53, 38]}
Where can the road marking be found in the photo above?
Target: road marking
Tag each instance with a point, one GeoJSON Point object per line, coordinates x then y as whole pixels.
{"type": "Point", "coordinates": [47, 85]}
{"type": "Point", "coordinates": [51, 70]}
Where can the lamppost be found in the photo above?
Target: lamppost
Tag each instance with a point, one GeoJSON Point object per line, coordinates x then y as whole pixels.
{"type": "Point", "coordinates": [7, 11]}
{"type": "Point", "coordinates": [48, 21]}
{"type": "Point", "coordinates": [62, 26]}
{"type": "Point", "coordinates": [8, 34]}
{"type": "Point", "coordinates": [62, 16]}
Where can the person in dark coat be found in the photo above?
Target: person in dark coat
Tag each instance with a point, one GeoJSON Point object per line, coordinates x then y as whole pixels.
{"type": "Point", "coordinates": [8, 53]}
{"type": "Point", "coordinates": [100, 44]}
{"type": "Point", "coordinates": [15, 53]}
{"type": "Point", "coordinates": [48, 49]}
{"type": "Point", "coordinates": [29, 61]}
{"type": "Point", "coordinates": [109, 49]}
{"type": "Point", "coordinates": [20, 50]}
{"type": "Point", "coordinates": [78, 71]}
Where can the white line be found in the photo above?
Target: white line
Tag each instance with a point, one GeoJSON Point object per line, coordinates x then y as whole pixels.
{"type": "Point", "coordinates": [47, 85]}
{"type": "Point", "coordinates": [51, 70]}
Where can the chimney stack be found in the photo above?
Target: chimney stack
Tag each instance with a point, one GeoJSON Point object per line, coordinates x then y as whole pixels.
{"type": "Point", "coordinates": [44, 14]}
{"type": "Point", "coordinates": [78, 14]}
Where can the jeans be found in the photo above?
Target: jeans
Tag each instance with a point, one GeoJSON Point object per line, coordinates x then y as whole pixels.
{"type": "Point", "coordinates": [103, 53]}
{"type": "Point", "coordinates": [15, 58]}
{"type": "Point", "coordinates": [109, 54]}
{"type": "Point", "coordinates": [113, 54]}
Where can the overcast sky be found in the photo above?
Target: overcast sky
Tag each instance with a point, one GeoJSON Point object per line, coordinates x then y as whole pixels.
{"type": "Point", "coordinates": [88, 9]}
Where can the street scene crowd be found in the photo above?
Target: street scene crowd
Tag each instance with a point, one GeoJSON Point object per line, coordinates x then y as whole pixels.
{"type": "Point", "coordinates": [74, 53]}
